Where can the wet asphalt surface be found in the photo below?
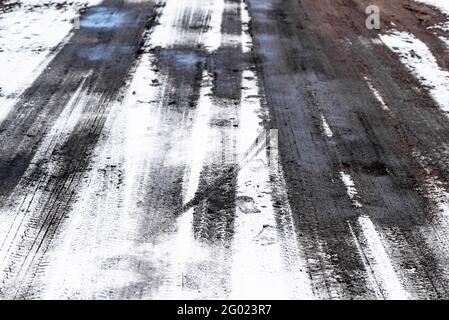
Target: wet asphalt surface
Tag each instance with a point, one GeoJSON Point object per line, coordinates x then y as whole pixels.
{"type": "Point", "coordinates": [311, 59]}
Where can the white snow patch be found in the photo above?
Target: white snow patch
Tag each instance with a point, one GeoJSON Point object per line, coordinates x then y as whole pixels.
{"type": "Point", "coordinates": [377, 95]}
{"type": "Point", "coordinates": [445, 40]}
{"type": "Point", "coordinates": [377, 262]}
{"type": "Point", "coordinates": [417, 57]}
{"type": "Point", "coordinates": [133, 139]}
{"type": "Point", "coordinates": [253, 275]}
{"type": "Point", "coordinates": [104, 219]}
{"type": "Point", "coordinates": [444, 26]}
{"type": "Point", "coordinates": [197, 144]}
{"type": "Point", "coordinates": [29, 39]}
{"type": "Point", "coordinates": [171, 32]}
{"type": "Point", "coordinates": [376, 41]}
{"type": "Point", "coordinates": [15, 218]}
{"type": "Point", "coordinates": [326, 128]}
{"type": "Point", "coordinates": [247, 41]}
{"type": "Point", "coordinates": [267, 261]}
{"type": "Point", "coordinates": [259, 270]}
{"type": "Point", "coordinates": [351, 190]}
{"type": "Point", "coordinates": [185, 249]}
{"type": "Point", "coordinates": [442, 5]}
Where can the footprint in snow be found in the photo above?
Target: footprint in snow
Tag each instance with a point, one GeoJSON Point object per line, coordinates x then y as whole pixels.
{"type": "Point", "coordinates": [247, 205]}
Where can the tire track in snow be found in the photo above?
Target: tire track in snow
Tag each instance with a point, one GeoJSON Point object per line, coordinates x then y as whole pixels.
{"type": "Point", "coordinates": [102, 243]}
{"type": "Point", "coordinates": [419, 60]}
{"type": "Point", "coordinates": [377, 95]}
{"type": "Point", "coordinates": [21, 223]}
{"type": "Point", "coordinates": [434, 189]}
{"type": "Point", "coordinates": [186, 249]}
{"type": "Point", "coordinates": [137, 240]}
{"type": "Point", "coordinates": [200, 273]}
{"type": "Point", "coordinates": [377, 263]}
{"type": "Point", "coordinates": [306, 161]}
{"type": "Point", "coordinates": [267, 261]}
{"type": "Point", "coordinates": [417, 57]}
{"type": "Point", "coordinates": [265, 244]}
{"type": "Point", "coordinates": [119, 221]}
{"type": "Point", "coordinates": [380, 271]}
{"type": "Point", "coordinates": [188, 23]}
{"type": "Point", "coordinates": [70, 157]}
{"type": "Point", "coordinates": [204, 251]}
{"type": "Point", "coordinates": [361, 144]}
{"type": "Point", "coordinates": [35, 34]}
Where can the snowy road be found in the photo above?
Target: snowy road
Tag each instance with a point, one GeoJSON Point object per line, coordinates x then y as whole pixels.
{"type": "Point", "coordinates": [230, 149]}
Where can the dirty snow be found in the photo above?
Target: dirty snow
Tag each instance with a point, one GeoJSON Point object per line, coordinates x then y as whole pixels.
{"type": "Point", "coordinates": [417, 57]}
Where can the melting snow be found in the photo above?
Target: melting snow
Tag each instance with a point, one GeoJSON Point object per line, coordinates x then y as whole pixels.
{"type": "Point", "coordinates": [417, 57]}
{"type": "Point", "coordinates": [31, 33]}
{"type": "Point", "coordinates": [350, 189]}
{"type": "Point", "coordinates": [326, 128]}
{"type": "Point", "coordinates": [377, 95]}
{"type": "Point", "coordinates": [442, 5]}
{"type": "Point", "coordinates": [377, 262]}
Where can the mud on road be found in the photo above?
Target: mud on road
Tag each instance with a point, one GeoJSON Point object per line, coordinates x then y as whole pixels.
{"type": "Point", "coordinates": [223, 149]}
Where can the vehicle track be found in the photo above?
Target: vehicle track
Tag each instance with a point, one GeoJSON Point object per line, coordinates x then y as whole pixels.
{"type": "Point", "coordinates": [226, 149]}
{"type": "Point", "coordinates": [63, 165]}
